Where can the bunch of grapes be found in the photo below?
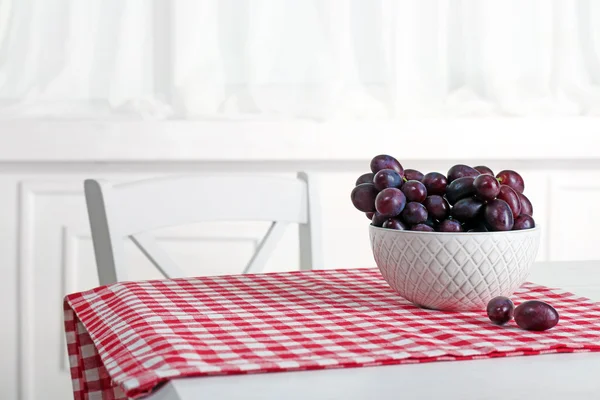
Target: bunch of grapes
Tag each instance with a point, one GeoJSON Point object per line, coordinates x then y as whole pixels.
{"type": "Point", "coordinates": [465, 200]}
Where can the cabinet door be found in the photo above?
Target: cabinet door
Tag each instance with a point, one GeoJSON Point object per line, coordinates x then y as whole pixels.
{"type": "Point", "coordinates": [56, 258]}
{"type": "Point", "coordinates": [575, 216]}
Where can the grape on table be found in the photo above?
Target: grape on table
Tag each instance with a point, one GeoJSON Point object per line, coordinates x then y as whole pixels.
{"type": "Point", "coordinates": [500, 310]}
{"type": "Point", "coordinates": [535, 315]}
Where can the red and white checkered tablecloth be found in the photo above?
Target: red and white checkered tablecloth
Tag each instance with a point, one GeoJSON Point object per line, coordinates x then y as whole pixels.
{"type": "Point", "coordinates": [125, 339]}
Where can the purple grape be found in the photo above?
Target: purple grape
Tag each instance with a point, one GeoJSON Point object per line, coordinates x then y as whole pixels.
{"type": "Point", "coordinates": [459, 171]}
{"type": "Point", "coordinates": [467, 209]}
{"type": "Point", "coordinates": [414, 191]}
{"type": "Point", "coordinates": [497, 216]}
{"type": "Point", "coordinates": [484, 170]}
{"type": "Point", "coordinates": [383, 161]}
{"type": "Point", "coordinates": [387, 178]}
{"type": "Point", "coordinates": [437, 207]}
{"type": "Point", "coordinates": [370, 215]}
{"type": "Point", "coordinates": [526, 207]}
{"type": "Point", "coordinates": [486, 187]}
{"type": "Point", "coordinates": [512, 179]}
{"type": "Point", "coordinates": [435, 183]}
{"type": "Point", "coordinates": [394, 223]}
{"type": "Point", "coordinates": [413, 175]}
{"type": "Point", "coordinates": [414, 213]}
{"type": "Point", "coordinates": [535, 315]}
{"type": "Point", "coordinates": [422, 228]}
{"type": "Point", "coordinates": [365, 178]}
{"type": "Point", "coordinates": [450, 225]}
{"type": "Point", "coordinates": [523, 222]}
{"type": "Point", "coordinates": [500, 310]}
{"type": "Point", "coordinates": [363, 197]}
{"type": "Point", "coordinates": [511, 198]}
{"type": "Point", "coordinates": [390, 202]}
{"type": "Point", "coordinates": [459, 189]}
{"type": "Point", "coordinates": [378, 219]}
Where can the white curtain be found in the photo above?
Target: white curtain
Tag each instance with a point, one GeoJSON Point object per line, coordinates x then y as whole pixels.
{"type": "Point", "coordinates": [317, 59]}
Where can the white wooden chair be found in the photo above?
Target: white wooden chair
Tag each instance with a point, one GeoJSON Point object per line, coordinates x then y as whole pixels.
{"type": "Point", "coordinates": [118, 211]}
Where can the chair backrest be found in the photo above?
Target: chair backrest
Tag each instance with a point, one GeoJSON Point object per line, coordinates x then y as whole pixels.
{"type": "Point", "coordinates": [119, 211]}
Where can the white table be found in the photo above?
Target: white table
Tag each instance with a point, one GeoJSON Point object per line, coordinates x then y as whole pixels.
{"type": "Point", "coordinates": [548, 377]}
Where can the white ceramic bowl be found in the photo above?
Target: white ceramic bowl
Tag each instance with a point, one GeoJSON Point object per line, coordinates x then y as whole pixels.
{"type": "Point", "coordinates": [454, 271]}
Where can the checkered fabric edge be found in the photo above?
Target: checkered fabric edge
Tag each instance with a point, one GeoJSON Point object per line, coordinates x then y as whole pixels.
{"type": "Point", "coordinates": [89, 377]}
{"type": "Point", "coordinates": [127, 338]}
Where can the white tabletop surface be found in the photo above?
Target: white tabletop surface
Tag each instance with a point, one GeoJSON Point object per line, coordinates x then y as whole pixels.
{"type": "Point", "coordinates": [547, 377]}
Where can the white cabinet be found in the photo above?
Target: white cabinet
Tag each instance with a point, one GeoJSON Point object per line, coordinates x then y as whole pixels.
{"type": "Point", "coordinates": [574, 199]}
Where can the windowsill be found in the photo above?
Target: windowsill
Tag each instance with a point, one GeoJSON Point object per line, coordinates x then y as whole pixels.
{"type": "Point", "coordinates": [177, 140]}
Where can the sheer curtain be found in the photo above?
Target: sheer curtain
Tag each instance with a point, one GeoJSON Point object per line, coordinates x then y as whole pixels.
{"type": "Point", "coordinates": [319, 59]}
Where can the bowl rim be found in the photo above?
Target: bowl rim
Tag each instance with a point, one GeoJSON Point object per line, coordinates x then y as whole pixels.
{"type": "Point", "coordinates": [400, 232]}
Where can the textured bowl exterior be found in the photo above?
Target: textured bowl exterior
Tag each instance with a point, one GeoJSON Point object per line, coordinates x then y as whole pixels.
{"type": "Point", "coordinates": [454, 271]}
